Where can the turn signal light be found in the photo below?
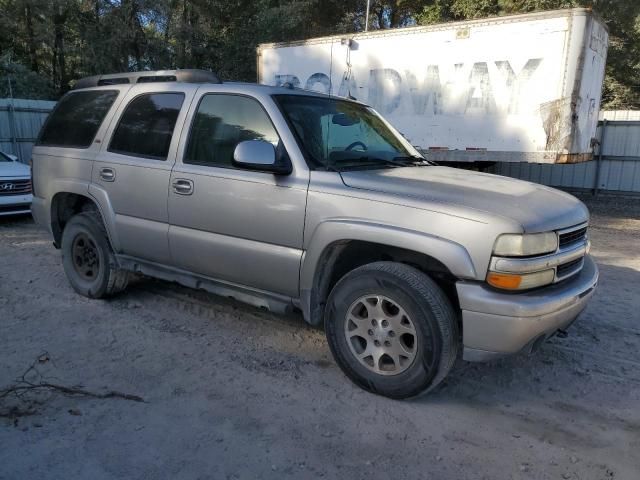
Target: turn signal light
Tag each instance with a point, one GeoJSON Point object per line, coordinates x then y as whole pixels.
{"type": "Point", "coordinates": [511, 281]}
{"type": "Point", "coordinates": [504, 280]}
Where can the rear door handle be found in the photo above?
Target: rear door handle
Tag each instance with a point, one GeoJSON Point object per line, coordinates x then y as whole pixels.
{"type": "Point", "coordinates": [182, 186]}
{"type": "Point", "coordinates": [107, 174]}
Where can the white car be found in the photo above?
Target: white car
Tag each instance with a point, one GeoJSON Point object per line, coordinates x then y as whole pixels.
{"type": "Point", "coordinates": [15, 186]}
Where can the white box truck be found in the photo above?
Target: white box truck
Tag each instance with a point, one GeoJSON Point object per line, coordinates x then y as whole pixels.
{"type": "Point", "coordinates": [522, 88]}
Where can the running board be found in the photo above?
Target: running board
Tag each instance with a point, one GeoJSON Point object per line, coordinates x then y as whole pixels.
{"type": "Point", "coordinates": [258, 298]}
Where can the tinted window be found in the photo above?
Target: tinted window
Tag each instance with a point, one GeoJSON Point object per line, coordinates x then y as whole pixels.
{"type": "Point", "coordinates": [77, 118]}
{"type": "Point", "coordinates": [146, 126]}
{"type": "Point", "coordinates": [223, 121]}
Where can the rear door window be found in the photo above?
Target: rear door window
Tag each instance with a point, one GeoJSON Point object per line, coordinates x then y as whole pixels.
{"type": "Point", "coordinates": [147, 125]}
{"type": "Point", "coordinates": [77, 118]}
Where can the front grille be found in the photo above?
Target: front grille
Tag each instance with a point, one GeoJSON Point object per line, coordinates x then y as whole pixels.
{"type": "Point", "coordinates": [572, 237]}
{"type": "Point", "coordinates": [569, 268]}
{"type": "Point", "coordinates": [15, 187]}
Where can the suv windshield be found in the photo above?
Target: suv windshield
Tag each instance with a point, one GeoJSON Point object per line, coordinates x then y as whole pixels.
{"type": "Point", "coordinates": [338, 134]}
{"type": "Point", "coordinates": [4, 157]}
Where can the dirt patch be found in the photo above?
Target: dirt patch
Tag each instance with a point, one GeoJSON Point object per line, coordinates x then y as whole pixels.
{"type": "Point", "coordinates": [233, 392]}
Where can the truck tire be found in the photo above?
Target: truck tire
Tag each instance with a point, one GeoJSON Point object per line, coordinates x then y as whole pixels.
{"type": "Point", "coordinates": [88, 259]}
{"type": "Point", "coordinates": [391, 329]}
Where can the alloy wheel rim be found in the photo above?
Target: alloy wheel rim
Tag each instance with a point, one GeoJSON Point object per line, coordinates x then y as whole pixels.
{"type": "Point", "coordinates": [85, 257]}
{"type": "Point", "coordinates": [381, 335]}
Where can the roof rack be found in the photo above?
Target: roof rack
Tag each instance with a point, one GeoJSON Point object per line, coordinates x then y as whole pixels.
{"type": "Point", "coordinates": [182, 75]}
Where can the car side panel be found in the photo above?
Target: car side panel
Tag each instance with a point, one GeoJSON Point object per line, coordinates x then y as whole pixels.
{"type": "Point", "coordinates": [138, 200]}
{"type": "Point", "coordinates": [138, 193]}
{"type": "Point", "coordinates": [256, 264]}
{"type": "Point", "coordinates": [238, 225]}
{"type": "Point", "coordinates": [419, 226]}
{"type": "Point", "coordinates": [338, 213]}
{"type": "Point", "coordinates": [66, 170]}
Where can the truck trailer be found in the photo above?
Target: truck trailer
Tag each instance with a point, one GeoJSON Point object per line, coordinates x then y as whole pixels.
{"type": "Point", "coordinates": [520, 88]}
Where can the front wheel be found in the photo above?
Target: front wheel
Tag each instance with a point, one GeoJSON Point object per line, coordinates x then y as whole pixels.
{"type": "Point", "coordinates": [391, 329]}
{"type": "Point", "coordinates": [87, 258]}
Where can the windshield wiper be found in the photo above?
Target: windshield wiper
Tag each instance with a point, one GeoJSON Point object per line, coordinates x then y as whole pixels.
{"type": "Point", "coordinates": [376, 161]}
{"type": "Point", "coordinates": [400, 161]}
{"type": "Point", "coordinates": [367, 161]}
{"type": "Point", "coordinates": [413, 160]}
{"type": "Point", "coordinates": [360, 162]}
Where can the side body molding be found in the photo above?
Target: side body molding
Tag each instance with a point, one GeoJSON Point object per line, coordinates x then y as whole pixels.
{"type": "Point", "coordinates": [453, 255]}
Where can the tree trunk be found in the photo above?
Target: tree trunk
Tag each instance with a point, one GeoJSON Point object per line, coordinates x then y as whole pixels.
{"type": "Point", "coordinates": [165, 60]}
{"type": "Point", "coordinates": [380, 15]}
{"type": "Point", "coordinates": [31, 40]}
{"type": "Point", "coordinates": [196, 53]}
{"type": "Point", "coordinates": [136, 36]}
{"type": "Point", "coordinates": [96, 64]}
{"type": "Point", "coordinates": [59, 67]}
{"type": "Point", "coordinates": [182, 54]}
{"type": "Point", "coordinates": [394, 14]}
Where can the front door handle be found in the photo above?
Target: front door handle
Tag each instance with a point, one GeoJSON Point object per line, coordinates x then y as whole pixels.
{"type": "Point", "coordinates": [182, 186]}
{"type": "Point", "coordinates": [107, 174]}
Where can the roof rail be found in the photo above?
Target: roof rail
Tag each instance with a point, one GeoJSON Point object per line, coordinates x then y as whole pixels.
{"type": "Point", "coordinates": [181, 75]}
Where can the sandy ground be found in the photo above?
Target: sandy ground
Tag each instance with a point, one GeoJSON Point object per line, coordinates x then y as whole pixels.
{"type": "Point", "coordinates": [231, 392]}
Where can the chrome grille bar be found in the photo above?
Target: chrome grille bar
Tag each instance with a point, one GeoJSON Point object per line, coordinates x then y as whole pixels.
{"type": "Point", "coordinates": [15, 187]}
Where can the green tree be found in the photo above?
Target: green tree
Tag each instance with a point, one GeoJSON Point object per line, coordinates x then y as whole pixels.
{"type": "Point", "coordinates": [53, 42]}
{"type": "Point", "coordinates": [20, 82]}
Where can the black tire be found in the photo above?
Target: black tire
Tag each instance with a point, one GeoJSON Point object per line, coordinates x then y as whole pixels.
{"type": "Point", "coordinates": [434, 322]}
{"type": "Point", "coordinates": [106, 278]}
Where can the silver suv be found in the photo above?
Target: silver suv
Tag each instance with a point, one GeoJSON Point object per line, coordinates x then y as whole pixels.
{"type": "Point", "coordinates": [284, 198]}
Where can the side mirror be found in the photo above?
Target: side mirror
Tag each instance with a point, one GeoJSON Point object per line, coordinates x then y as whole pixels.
{"type": "Point", "coordinates": [258, 155]}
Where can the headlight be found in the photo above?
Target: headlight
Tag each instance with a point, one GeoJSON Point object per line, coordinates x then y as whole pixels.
{"type": "Point", "coordinates": [525, 281]}
{"type": "Point", "coordinates": [517, 245]}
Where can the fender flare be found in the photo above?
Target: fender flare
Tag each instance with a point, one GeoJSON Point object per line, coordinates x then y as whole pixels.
{"type": "Point", "coordinates": [330, 232]}
{"type": "Point", "coordinates": [61, 186]}
{"type": "Point", "coordinates": [92, 192]}
{"type": "Point", "coordinates": [101, 199]}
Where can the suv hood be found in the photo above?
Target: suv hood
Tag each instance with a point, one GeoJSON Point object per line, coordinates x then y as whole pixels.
{"type": "Point", "coordinates": [14, 169]}
{"type": "Point", "coordinates": [536, 207]}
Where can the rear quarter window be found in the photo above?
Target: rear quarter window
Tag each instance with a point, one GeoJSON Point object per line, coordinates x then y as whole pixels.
{"type": "Point", "coordinates": [77, 118]}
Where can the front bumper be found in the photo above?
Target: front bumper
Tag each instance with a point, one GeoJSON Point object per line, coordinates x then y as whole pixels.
{"type": "Point", "coordinates": [15, 204]}
{"type": "Point", "coordinates": [495, 324]}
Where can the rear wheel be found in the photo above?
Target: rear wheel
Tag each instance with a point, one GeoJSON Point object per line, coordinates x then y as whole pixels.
{"type": "Point", "coordinates": [391, 329]}
{"type": "Point", "coordinates": [87, 258]}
